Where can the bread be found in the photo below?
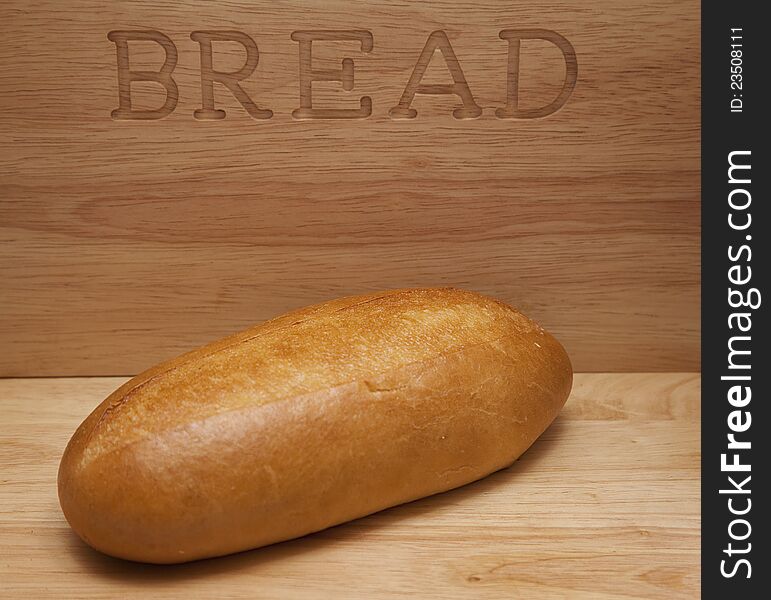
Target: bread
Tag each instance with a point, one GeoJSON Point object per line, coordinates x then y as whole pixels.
{"type": "Point", "coordinates": [314, 418]}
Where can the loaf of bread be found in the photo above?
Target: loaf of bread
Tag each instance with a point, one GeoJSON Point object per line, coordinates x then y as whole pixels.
{"type": "Point", "coordinates": [314, 418]}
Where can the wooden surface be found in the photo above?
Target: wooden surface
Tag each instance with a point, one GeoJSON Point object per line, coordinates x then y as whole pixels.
{"type": "Point", "coordinates": [604, 505]}
{"type": "Point", "coordinates": [123, 242]}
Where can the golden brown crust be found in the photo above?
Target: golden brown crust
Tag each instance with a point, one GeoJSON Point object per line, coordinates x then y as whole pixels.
{"type": "Point", "coordinates": [319, 416]}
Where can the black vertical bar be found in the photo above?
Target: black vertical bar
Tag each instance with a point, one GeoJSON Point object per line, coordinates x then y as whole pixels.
{"type": "Point", "coordinates": [735, 74]}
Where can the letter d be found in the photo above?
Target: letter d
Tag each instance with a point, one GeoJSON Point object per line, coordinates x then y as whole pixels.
{"type": "Point", "coordinates": [514, 37]}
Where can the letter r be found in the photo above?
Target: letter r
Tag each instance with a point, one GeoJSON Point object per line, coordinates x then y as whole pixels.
{"type": "Point", "coordinates": [229, 80]}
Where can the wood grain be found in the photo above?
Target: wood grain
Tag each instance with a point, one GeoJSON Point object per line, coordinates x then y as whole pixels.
{"type": "Point", "coordinates": [605, 505]}
{"type": "Point", "coordinates": [124, 242]}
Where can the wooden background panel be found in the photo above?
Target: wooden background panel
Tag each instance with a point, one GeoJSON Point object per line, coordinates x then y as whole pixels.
{"type": "Point", "coordinates": [124, 242]}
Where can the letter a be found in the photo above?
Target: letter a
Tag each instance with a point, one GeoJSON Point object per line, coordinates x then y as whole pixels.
{"type": "Point", "coordinates": [437, 41]}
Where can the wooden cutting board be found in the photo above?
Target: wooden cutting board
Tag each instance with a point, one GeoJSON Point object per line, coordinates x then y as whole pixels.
{"type": "Point", "coordinates": [149, 203]}
{"type": "Point", "coordinates": [604, 506]}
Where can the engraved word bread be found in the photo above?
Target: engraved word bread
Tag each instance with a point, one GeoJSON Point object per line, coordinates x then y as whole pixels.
{"type": "Point", "coordinates": [319, 416]}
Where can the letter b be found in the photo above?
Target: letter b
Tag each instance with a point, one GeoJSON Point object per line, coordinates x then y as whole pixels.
{"type": "Point", "coordinates": [126, 76]}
